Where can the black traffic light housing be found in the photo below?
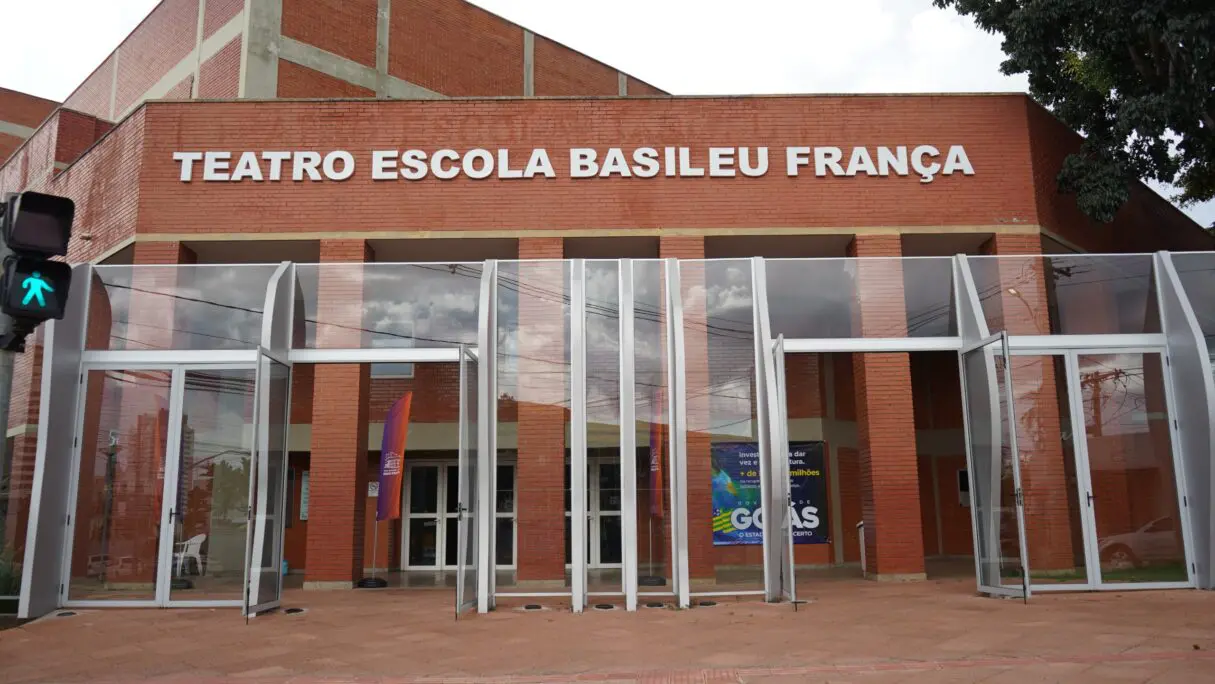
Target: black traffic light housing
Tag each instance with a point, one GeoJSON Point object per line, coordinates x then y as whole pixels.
{"type": "Point", "coordinates": [34, 227]}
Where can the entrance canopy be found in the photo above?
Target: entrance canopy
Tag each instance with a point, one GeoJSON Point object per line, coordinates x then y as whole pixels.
{"type": "Point", "coordinates": [680, 360]}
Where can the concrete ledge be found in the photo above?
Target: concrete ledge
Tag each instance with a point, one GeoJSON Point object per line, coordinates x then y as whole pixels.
{"type": "Point", "coordinates": [327, 586]}
{"type": "Point", "coordinates": [536, 585]}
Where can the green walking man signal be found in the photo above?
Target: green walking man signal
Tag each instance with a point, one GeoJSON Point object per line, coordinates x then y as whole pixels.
{"type": "Point", "coordinates": [33, 286]}
{"type": "Point", "coordinates": [34, 228]}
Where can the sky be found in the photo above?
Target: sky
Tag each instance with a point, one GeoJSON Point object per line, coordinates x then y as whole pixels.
{"type": "Point", "coordinates": [687, 47]}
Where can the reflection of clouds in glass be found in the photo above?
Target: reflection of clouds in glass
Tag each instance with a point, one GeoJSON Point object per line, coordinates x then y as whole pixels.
{"type": "Point", "coordinates": [719, 308]}
{"type": "Point", "coordinates": [533, 353]}
{"type": "Point", "coordinates": [603, 342]}
{"type": "Point", "coordinates": [186, 307]}
{"type": "Point", "coordinates": [423, 305]}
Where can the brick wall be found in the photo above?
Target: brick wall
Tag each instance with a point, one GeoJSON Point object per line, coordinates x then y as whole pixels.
{"type": "Point", "coordinates": [562, 71]}
{"type": "Point", "coordinates": [22, 110]}
{"type": "Point", "coordinates": [298, 81]}
{"type": "Point", "coordinates": [219, 76]}
{"type": "Point", "coordinates": [454, 48]}
{"type": "Point", "coordinates": [1000, 192]}
{"type": "Point", "coordinates": [218, 13]}
{"type": "Point", "coordinates": [162, 40]}
{"type": "Point", "coordinates": [346, 28]}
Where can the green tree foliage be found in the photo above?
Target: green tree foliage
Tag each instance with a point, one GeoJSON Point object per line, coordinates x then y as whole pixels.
{"type": "Point", "coordinates": [1136, 78]}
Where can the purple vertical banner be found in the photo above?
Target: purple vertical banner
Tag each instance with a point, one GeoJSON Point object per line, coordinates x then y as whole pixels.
{"type": "Point", "coordinates": [392, 456]}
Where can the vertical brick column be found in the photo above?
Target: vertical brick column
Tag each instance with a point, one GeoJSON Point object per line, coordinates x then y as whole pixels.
{"type": "Point", "coordinates": [697, 374]}
{"type": "Point", "coordinates": [338, 465]}
{"type": "Point", "coordinates": [1022, 308]}
{"type": "Point", "coordinates": [890, 496]}
{"type": "Point", "coordinates": [543, 380]}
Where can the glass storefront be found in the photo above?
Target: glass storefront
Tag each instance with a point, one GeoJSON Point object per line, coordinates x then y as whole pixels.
{"type": "Point", "coordinates": [628, 442]}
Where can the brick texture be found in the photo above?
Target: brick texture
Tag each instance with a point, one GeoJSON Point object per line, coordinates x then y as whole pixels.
{"type": "Point", "coordinates": [298, 81]}
{"type": "Point", "coordinates": [562, 71]}
{"type": "Point", "coordinates": [162, 40]}
{"type": "Point", "coordinates": [346, 28]}
{"type": "Point", "coordinates": [22, 109]}
{"type": "Point", "coordinates": [219, 77]}
{"type": "Point", "coordinates": [454, 48]}
{"type": "Point", "coordinates": [93, 96]}
{"type": "Point", "coordinates": [218, 13]}
{"type": "Point", "coordinates": [886, 426]}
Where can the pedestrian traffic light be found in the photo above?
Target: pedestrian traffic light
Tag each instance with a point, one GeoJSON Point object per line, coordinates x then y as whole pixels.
{"type": "Point", "coordinates": [34, 228]}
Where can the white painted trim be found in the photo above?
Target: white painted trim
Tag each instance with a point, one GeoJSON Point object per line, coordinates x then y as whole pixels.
{"type": "Point", "coordinates": [876, 344]}
{"type": "Point", "coordinates": [114, 83]}
{"type": "Point", "coordinates": [157, 358]}
{"type": "Point", "coordinates": [383, 34]}
{"type": "Point", "coordinates": [622, 81]}
{"type": "Point", "coordinates": [529, 63]}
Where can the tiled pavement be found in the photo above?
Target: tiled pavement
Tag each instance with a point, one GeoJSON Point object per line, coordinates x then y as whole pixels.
{"type": "Point", "coordinates": [852, 631]}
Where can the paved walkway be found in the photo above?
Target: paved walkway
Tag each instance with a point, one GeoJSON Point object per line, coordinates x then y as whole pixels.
{"type": "Point", "coordinates": [852, 631]}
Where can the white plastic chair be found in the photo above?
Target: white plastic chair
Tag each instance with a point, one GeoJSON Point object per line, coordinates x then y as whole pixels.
{"type": "Point", "coordinates": [190, 548]}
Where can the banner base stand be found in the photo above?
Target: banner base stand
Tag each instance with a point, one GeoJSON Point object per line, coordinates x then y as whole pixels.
{"type": "Point", "coordinates": [372, 583]}
{"type": "Point", "coordinates": [652, 581]}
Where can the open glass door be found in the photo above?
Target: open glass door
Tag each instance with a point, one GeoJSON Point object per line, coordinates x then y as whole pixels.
{"type": "Point", "coordinates": [267, 485]}
{"type": "Point", "coordinates": [780, 447]}
{"type": "Point", "coordinates": [466, 582]}
{"type": "Point", "coordinates": [994, 469]}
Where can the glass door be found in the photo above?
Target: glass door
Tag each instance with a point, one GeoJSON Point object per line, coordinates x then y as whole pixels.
{"type": "Point", "coordinates": [467, 508]}
{"type": "Point", "coordinates": [994, 469]}
{"type": "Point", "coordinates": [267, 485]}
{"type": "Point", "coordinates": [209, 502]}
{"type": "Point", "coordinates": [1129, 489]}
{"type": "Point", "coordinates": [120, 482]}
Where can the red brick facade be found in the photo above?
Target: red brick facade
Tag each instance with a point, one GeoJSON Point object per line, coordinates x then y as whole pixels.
{"type": "Point", "coordinates": [134, 208]}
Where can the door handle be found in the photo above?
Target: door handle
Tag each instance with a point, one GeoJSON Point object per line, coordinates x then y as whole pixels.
{"type": "Point", "coordinates": [1090, 499]}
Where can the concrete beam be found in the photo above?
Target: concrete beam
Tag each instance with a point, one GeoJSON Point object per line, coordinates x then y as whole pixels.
{"type": "Point", "coordinates": [198, 40]}
{"type": "Point", "coordinates": [383, 19]}
{"type": "Point", "coordinates": [16, 129]}
{"type": "Point", "coordinates": [622, 80]}
{"type": "Point", "coordinates": [263, 28]}
{"type": "Point", "coordinates": [529, 63]}
{"type": "Point", "coordinates": [350, 71]}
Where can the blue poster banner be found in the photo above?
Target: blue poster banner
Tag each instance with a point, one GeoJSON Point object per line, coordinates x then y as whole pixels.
{"type": "Point", "coordinates": [737, 519]}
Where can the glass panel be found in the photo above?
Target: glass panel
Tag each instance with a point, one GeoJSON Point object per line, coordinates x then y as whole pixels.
{"type": "Point", "coordinates": [451, 543]}
{"type": "Point", "coordinates": [822, 298]}
{"type": "Point", "coordinates": [271, 480]}
{"type": "Point", "coordinates": [506, 489]}
{"type": "Point", "coordinates": [651, 395]}
{"type": "Point", "coordinates": [1196, 272]}
{"type": "Point", "coordinates": [533, 333]}
{"type": "Point", "coordinates": [178, 307]}
{"type": "Point", "coordinates": [440, 311]}
{"type": "Point", "coordinates": [609, 540]}
{"type": "Point", "coordinates": [423, 541]}
{"type": "Point", "coordinates": [452, 504]}
{"type": "Point", "coordinates": [424, 489]}
{"type": "Point", "coordinates": [724, 501]}
{"type": "Point", "coordinates": [16, 491]}
{"type": "Point", "coordinates": [211, 521]}
{"type": "Point", "coordinates": [1067, 295]}
{"type": "Point", "coordinates": [505, 537]}
{"type": "Point", "coordinates": [1130, 458]}
{"type": "Point", "coordinates": [993, 492]}
{"type": "Point", "coordinates": [603, 410]}
{"type": "Point", "coordinates": [1054, 530]}
{"type": "Point", "coordinates": [116, 549]}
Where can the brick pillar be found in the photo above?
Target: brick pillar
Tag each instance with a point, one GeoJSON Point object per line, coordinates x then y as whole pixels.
{"type": "Point", "coordinates": [338, 465]}
{"type": "Point", "coordinates": [890, 496]}
{"type": "Point", "coordinates": [701, 562]}
{"type": "Point", "coordinates": [1047, 463]}
{"type": "Point", "coordinates": [542, 381]}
